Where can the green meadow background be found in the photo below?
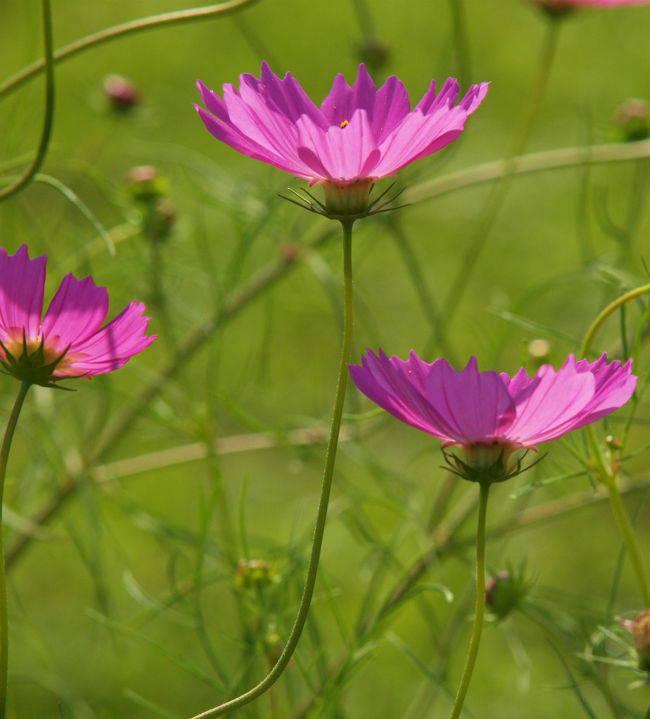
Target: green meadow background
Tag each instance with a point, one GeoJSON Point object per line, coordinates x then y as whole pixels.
{"type": "Point", "coordinates": [126, 601]}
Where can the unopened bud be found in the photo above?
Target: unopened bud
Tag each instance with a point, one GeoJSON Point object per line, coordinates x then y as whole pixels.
{"type": "Point", "coordinates": [555, 8]}
{"type": "Point", "coordinates": [505, 592]}
{"type": "Point", "coordinates": [374, 53]}
{"type": "Point", "coordinates": [539, 351]}
{"type": "Point", "coordinates": [254, 573]}
{"type": "Point", "coordinates": [145, 183]}
{"type": "Point", "coordinates": [640, 629]}
{"type": "Point", "coordinates": [632, 120]}
{"type": "Point", "coordinates": [121, 93]}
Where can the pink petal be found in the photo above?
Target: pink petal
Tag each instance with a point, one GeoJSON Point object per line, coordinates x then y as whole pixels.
{"type": "Point", "coordinates": [112, 346]}
{"type": "Point", "coordinates": [21, 292]}
{"type": "Point", "coordinates": [385, 382]}
{"type": "Point", "coordinates": [288, 96]}
{"type": "Point", "coordinates": [76, 311]}
{"type": "Point", "coordinates": [476, 403]}
{"type": "Point", "coordinates": [341, 154]}
{"type": "Point", "coordinates": [390, 108]}
{"type": "Point", "coordinates": [550, 404]}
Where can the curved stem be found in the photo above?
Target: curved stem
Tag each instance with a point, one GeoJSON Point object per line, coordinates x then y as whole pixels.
{"type": "Point", "coordinates": [4, 456]}
{"type": "Point", "coordinates": [305, 601]}
{"type": "Point", "coordinates": [48, 116]}
{"type": "Point", "coordinates": [111, 33]}
{"type": "Point", "coordinates": [472, 651]}
{"type": "Point", "coordinates": [595, 326]}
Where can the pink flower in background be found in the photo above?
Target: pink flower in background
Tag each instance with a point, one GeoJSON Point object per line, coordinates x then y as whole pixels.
{"type": "Point", "coordinates": [357, 136]}
{"type": "Point", "coordinates": [489, 414]}
{"type": "Point", "coordinates": [595, 3]}
{"type": "Point", "coordinates": [68, 341]}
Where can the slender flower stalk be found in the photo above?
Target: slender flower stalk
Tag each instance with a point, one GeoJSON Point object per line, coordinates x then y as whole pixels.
{"type": "Point", "coordinates": [479, 610]}
{"type": "Point", "coordinates": [499, 190]}
{"type": "Point", "coordinates": [328, 474]}
{"type": "Point", "coordinates": [4, 457]}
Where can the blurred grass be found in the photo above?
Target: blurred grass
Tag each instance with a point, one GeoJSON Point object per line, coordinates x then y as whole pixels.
{"type": "Point", "coordinates": [548, 259]}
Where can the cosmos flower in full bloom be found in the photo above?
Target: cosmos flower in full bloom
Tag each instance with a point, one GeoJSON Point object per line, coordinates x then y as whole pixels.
{"type": "Point", "coordinates": [69, 340]}
{"type": "Point", "coordinates": [491, 415]}
{"type": "Point", "coordinates": [357, 136]}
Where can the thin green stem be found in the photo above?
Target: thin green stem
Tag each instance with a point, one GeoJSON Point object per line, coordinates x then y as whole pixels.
{"type": "Point", "coordinates": [4, 457]}
{"type": "Point", "coordinates": [480, 604]}
{"type": "Point", "coordinates": [460, 40]}
{"type": "Point", "coordinates": [525, 164]}
{"type": "Point", "coordinates": [178, 17]}
{"type": "Point", "coordinates": [538, 87]}
{"type": "Point", "coordinates": [609, 477]}
{"type": "Point", "coordinates": [499, 191]}
{"type": "Point", "coordinates": [632, 545]}
{"type": "Point", "coordinates": [48, 116]}
{"type": "Point", "coordinates": [610, 309]}
{"type": "Point", "coordinates": [328, 474]}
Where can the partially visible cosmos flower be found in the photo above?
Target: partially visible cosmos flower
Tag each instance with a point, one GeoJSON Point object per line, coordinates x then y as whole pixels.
{"type": "Point", "coordinates": [357, 136]}
{"type": "Point", "coordinates": [490, 415]}
{"type": "Point", "coordinates": [567, 4]}
{"type": "Point", "coordinates": [69, 340]}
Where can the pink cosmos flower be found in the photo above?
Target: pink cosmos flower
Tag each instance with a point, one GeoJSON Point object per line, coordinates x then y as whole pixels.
{"type": "Point", "coordinates": [68, 341]}
{"type": "Point", "coordinates": [357, 136]}
{"type": "Point", "coordinates": [489, 414]}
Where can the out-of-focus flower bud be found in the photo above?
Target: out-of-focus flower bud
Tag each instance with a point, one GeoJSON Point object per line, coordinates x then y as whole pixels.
{"type": "Point", "coordinates": [632, 120]}
{"type": "Point", "coordinates": [122, 94]}
{"type": "Point", "coordinates": [374, 54]}
{"type": "Point", "coordinates": [145, 184]}
{"type": "Point", "coordinates": [555, 8]}
{"type": "Point", "coordinates": [640, 629]}
{"type": "Point", "coordinates": [539, 352]}
{"type": "Point", "coordinates": [504, 592]}
{"type": "Point", "coordinates": [254, 573]}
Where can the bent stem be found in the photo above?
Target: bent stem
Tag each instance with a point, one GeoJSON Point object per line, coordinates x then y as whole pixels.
{"type": "Point", "coordinates": [616, 304]}
{"type": "Point", "coordinates": [472, 651]}
{"type": "Point", "coordinates": [48, 117]}
{"type": "Point", "coordinates": [326, 486]}
{"type": "Point", "coordinates": [4, 456]}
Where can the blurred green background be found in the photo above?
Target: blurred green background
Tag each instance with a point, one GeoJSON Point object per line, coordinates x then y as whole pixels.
{"type": "Point", "coordinates": [127, 603]}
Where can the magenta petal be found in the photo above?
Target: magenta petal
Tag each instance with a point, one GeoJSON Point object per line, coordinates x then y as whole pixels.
{"type": "Point", "coordinates": [288, 97]}
{"type": "Point", "coordinates": [476, 403]}
{"type": "Point", "coordinates": [337, 106]}
{"type": "Point", "coordinates": [550, 404]}
{"type": "Point", "coordinates": [343, 153]}
{"type": "Point", "coordinates": [76, 311]}
{"type": "Point", "coordinates": [21, 292]}
{"type": "Point", "coordinates": [112, 346]}
{"type": "Point", "coordinates": [391, 107]}
{"type": "Point", "coordinates": [213, 102]}
{"type": "Point", "coordinates": [385, 382]}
